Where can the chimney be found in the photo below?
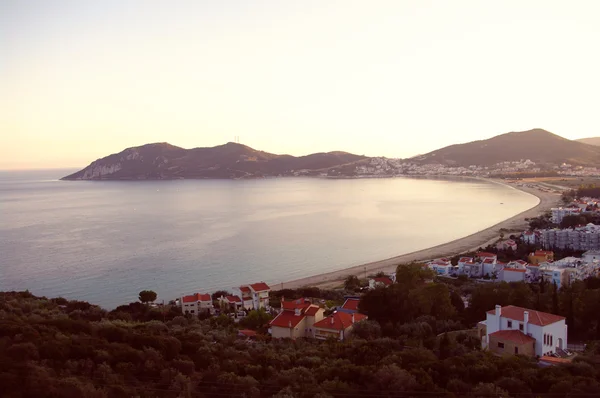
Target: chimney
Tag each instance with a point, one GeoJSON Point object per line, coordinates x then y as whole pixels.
{"type": "Point", "coordinates": [331, 320]}
{"type": "Point", "coordinates": [525, 321]}
{"type": "Point", "coordinates": [498, 315]}
{"type": "Point", "coordinates": [353, 318]}
{"type": "Point", "coordinates": [289, 324]}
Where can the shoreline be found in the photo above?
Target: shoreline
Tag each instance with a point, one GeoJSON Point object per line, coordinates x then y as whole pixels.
{"type": "Point", "coordinates": [467, 243]}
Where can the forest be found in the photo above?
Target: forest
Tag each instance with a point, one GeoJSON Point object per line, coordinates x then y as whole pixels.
{"type": "Point", "coordinates": [415, 343]}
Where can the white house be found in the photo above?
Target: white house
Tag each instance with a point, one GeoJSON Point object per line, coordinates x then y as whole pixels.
{"type": "Point", "coordinates": [591, 255]}
{"type": "Point", "coordinates": [559, 213]}
{"type": "Point", "coordinates": [441, 266]}
{"type": "Point", "coordinates": [196, 303]}
{"type": "Point", "coordinates": [516, 330]}
{"type": "Point", "coordinates": [255, 296]}
{"type": "Point", "coordinates": [382, 281]}
{"type": "Point", "coordinates": [338, 325]}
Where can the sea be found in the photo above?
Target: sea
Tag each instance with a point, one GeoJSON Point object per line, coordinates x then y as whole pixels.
{"type": "Point", "coordinates": [104, 241]}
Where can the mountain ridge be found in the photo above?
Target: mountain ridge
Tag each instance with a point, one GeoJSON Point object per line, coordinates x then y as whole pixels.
{"type": "Point", "coordinates": [538, 145]}
{"type": "Point", "coordinates": [162, 160]}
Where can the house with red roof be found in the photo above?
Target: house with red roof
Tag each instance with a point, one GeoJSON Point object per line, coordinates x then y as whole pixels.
{"type": "Point", "coordinates": [338, 325]}
{"type": "Point", "coordinates": [255, 295]}
{"type": "Point", "coordinates": [196, 303]}
{"type": "Point", "coordinates": [507, 244]}
{"type": "Point", "coordinates": [441, 266]}
{"type": "Point", "coordinates": [350, 305]}
{"type": "Point", "coordinates": [233, 303]}
{"type": "Point", "coordinates": [483, 255]}
{"type": "Point", "coordinates": [296, 319]}
{"type": "Point", "coordinates": [380, 281]}
{"type": "Point", "coordinates": [540, 256]}
{"type": "Point", "coordinates": [517, 330]}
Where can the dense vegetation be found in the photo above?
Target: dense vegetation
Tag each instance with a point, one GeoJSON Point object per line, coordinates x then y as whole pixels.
{"type": "Point", "coordinates": [60, 348]}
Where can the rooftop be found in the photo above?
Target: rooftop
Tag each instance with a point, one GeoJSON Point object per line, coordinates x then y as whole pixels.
{"type": "Point", "coordinates": [535, 317]}
{"type": "Point", "coordinates": [260, 287]}
{"type": "Point", "coordinates": [196, 297]}
{"type": "Point", "coordinates": [341, 321]}
{"type": "Point", "coordinates": [351, 304]}
{"type": "Point", "coordinates": [516, 336]}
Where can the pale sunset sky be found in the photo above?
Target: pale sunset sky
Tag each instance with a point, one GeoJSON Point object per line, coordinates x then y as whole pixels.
{"type": "Point", "coordinates": [81, 79]}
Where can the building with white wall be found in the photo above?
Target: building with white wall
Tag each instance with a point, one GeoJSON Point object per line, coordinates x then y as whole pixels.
{"type": "Point", "coordinates": [196, 303]}
{"type": "Point", "coordinates": [516, 330]}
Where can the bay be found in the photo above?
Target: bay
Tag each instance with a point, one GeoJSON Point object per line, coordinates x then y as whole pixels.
{"type": "Point", "coordinates": [104, 241]}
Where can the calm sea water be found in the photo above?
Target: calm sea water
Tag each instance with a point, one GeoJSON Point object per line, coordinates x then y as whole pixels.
{"type": "Point", "coordinates": [105, 241]}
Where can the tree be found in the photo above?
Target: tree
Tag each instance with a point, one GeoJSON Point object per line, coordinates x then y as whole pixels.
{"type": "Point", "coordinates": [147, 296]}
{"type": "Point", "coordinates": [256, 319]}
{"type": "Point", "coordinates": [352, 283]}
{"type": "Point", "coordinates": [216, 295]}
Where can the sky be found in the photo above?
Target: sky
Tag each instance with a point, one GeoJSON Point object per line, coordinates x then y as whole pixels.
{"type": "Point", "coordinates": [82, 79]}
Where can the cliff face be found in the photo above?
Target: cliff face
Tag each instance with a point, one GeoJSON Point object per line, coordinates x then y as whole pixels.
{"type": "Point", "coordinates": [165, 161]}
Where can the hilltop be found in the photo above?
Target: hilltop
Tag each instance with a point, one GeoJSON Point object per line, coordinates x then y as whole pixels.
{"type": "Point", "coordinates": [538, 145]}
{"type": "Point", "coordinates": [232, 160]}
{"type": "Point", "coordinates": [590, 141]}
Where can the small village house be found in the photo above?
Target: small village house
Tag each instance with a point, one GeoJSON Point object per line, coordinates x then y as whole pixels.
{"type": "Point", "coordinates": [296, 319]}
{"type": "Point", "coordinates": [516, 330]}
{"type": "Point", "coordinates": [338, 325]}
{"type": "Point", "coordinates": [196, 303]}
{"type": "Point", "coordinates": [507, 244]}
{"type": "Point", "coordinates": [233, 303]}
{"type": "Point", "coordinates": [255, 296]}
{"type": "Point", "coordinates": [540, 256]}
{"type": "Point", "coordinates": [382, 281]}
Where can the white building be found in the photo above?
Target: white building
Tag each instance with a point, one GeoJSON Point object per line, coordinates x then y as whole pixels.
{"type": "Point", "coordinates": [255, 296]}
{"type": "Point", "coordinates": [441, 266]}
{"type": "Point", "coordinates": [196, 303]}
{"type": "Point", "coordinates": [548, 330]}
{"type": "Point", "coordinates": [591, 255]}
{"type": "Point", "coordinates": [558, 213]}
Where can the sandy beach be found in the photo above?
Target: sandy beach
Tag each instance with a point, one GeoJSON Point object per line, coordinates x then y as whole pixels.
{"type": "Point", "coordinates": [471, 242]}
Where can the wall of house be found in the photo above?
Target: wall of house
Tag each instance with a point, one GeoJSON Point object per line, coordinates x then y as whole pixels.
{"type": "Point", "coordinates": [509, 347]}
{"type": "Point", "coordinates": [557, 330]}
{"type": "Point", "coordinates": [280, 333]}
{"type": "Point", "coordinates": [321, 333]}
{"type": "Point", "coordinates": [191, 308]}
{"type": "Point", "coordinates": [511, 276]}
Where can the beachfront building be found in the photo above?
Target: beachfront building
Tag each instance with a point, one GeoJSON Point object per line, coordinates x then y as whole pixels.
{"type": "Point", "coordinates": [507, 244]}
{"type": "Point", "coordinates": [338, 325]}
{"type": "Point", "coordinates": [515, 330]}
{"type": "Point", "coordinates": [196, 303]}
{"type": "Point", "coordinates": [559, 213]}
{"type": "Point", "coordinates": [296, 319]}
{"type": "Point", "coordinates": [382, 281]}
{"type": "Point", "coordinates": [531, 237]}
{"type": "Point", "coordinates": [255, 296]}
{"type": "Point", "coordinates": [591, 256]}
{"type": "Point", "coordinates": [441, 266]}
{"type": "Point", "coordinates": [513, 272]}
{"type": "Point", "coordinates": [580, 238]}
{"type": "Point", "coordinates": [233, 303]}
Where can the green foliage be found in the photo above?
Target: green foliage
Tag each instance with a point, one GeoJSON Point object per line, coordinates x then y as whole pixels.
{"type": "Point", "coordinates": [76, 349]}
{"type": "Point", "coordinates": [147, 296]}
{"type": "Point", "coordinates": [352, 283]}
{"type": "Point", "coordinates": [256, 320]}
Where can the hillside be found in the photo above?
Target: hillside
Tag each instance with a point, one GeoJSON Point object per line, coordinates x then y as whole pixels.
{"type": "Point", "coordinates": [537, 145]}
{"type": "Point", "coordinates": [164, 161]}
{"type": "Point", "coordinates": [590, 141]}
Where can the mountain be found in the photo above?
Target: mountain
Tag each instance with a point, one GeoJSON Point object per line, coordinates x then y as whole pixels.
{"type": "Point", "coordinates": [538, 145]}
{"type": "Point", "coordinates": [232, 160]}
{"type": "Point", "coordinates": [590, 141]}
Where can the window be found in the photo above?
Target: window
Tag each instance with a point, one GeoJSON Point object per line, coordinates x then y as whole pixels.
{"type": "Point", "coordinates": [551, 340]}
{"type": "Point", "coordinates": [510, 324]}
{"type": "Point", "coordinates": [521, 327]}
{"type": "Point", "coordinates": [500, 345]}
{"type": "Point", "coordinates": [545, 341]}
{"type": "Point", "coordinates": [192, 311]}
{"type": "Point", "coordinates": [516, 350]}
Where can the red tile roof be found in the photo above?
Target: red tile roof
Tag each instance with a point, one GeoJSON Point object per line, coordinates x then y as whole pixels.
{"type": "Point", "coordinates": [247, 332]}
{"type": "Point", "coordinates": [196, 297]}
{"type": "Point", "coordinates": [383, 279]}
{"type": "Point", "coordinates": [488, 260]}
{"type": "Point", "coordinates": [260, 287]}
{"type": "Point", "coordinates": [287, 319]}
{"type": "Point", "coordinates": [485, 254]}
{"type": "Point", "coordinates": [535, 317]}
{"type": "Point", "coordinates": [543, 253]}
{"type": "Point", "coordinates": [341, 320]}
{"type": "Point", "coordinates": [244, 289]}
{"type": "Point", "coordinates": [516, 336]}
{"type": "Point", "coordinates": [234, 299]}
{"type": "Point", "coordinates": [513, 269]}
{"type": "Point", "coordinates": [295, 304]}
{"type": "Point", "coordinates": [312, 310]}
{"type": "Point", "coordinates": [351, 304]}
